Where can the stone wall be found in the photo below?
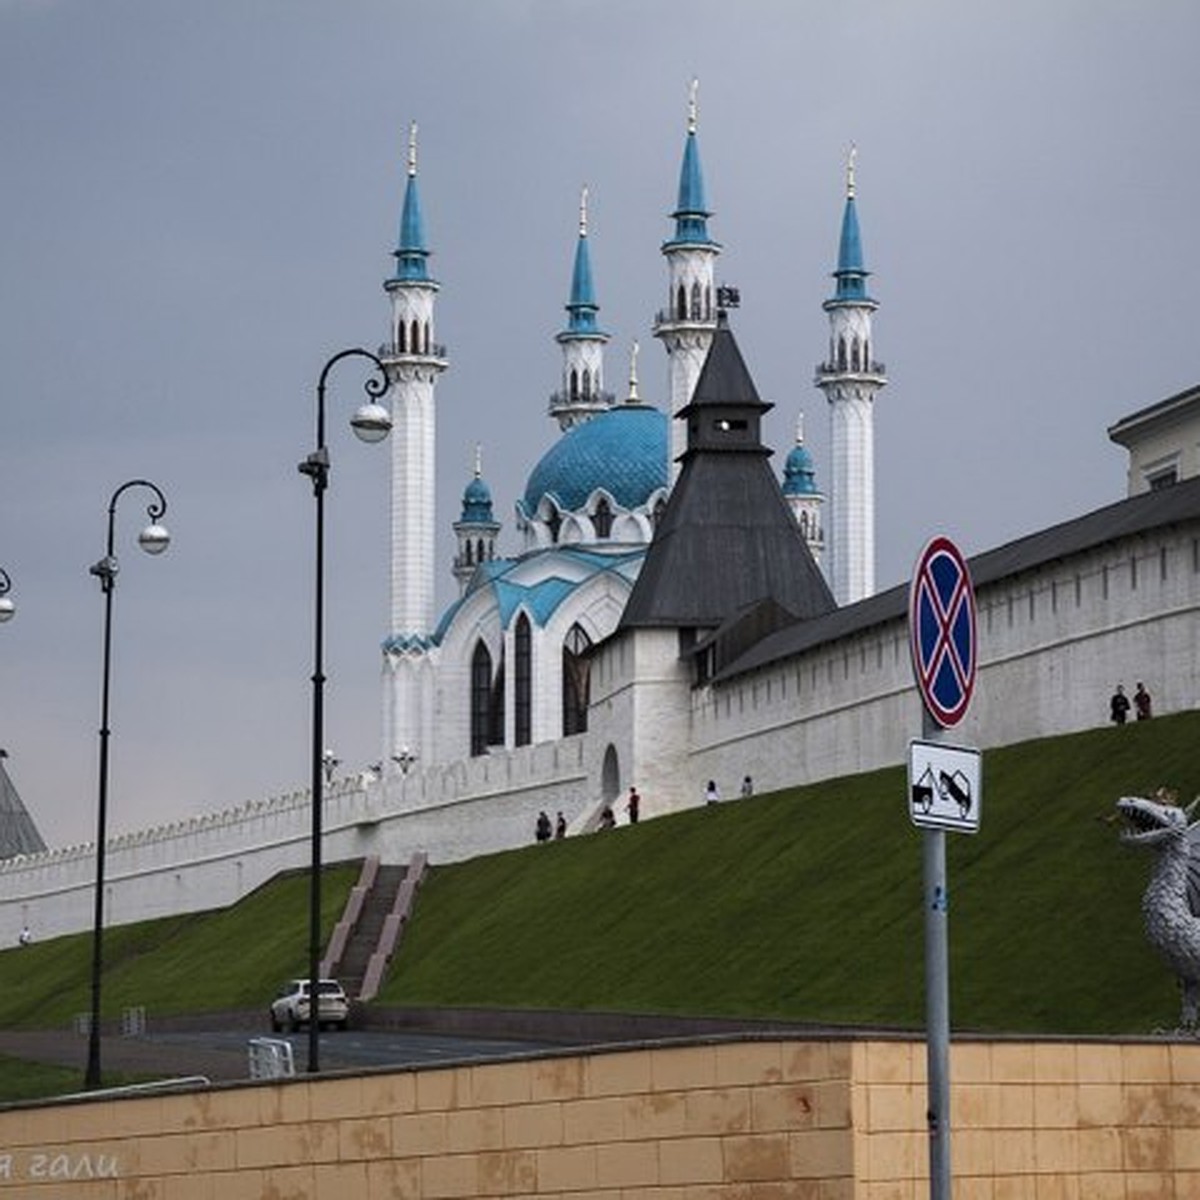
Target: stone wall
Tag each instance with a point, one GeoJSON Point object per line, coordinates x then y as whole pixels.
{"type": "Point", "coordinates": [729, 1120]}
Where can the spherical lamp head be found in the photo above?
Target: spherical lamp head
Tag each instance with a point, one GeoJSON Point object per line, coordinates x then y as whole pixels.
{"type": "Point", "coordinates": [154, 539]}
{"type": "Point", "coordinates": [7, 609]}
{"type": "Point", "coordinates": [372, 422]}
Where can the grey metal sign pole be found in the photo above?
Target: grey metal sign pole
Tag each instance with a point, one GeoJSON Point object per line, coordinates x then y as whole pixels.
{"type": "Point", "coordinates": [937, 1003]}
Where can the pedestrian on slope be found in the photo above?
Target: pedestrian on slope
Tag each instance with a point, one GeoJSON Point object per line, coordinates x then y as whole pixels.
{"type": "Point", "coordinates": [633, 805]}
{"type": "Point", "coordinates": [747, 788]}
{"type": "Point", "coordinates": [543, 827]}
{"type": "Point", "coordinates": [711, 795]}
{"type": "Point", "coordinates": [560, 826]}
{"type": "Point", "coordinates": [1141, 702]}
{"type": "Point", "coordinates": [1118, 706]}
{"type": "Point", "coordinates": [607, 818]}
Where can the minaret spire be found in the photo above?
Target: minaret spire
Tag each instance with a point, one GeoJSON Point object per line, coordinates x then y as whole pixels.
{"type": "Point", "coordinates": [687, 324]}
{"type": "Point", "coordinates": [850, 378]}
{"type": "Point", "coordinates": [582, 394]}
{"type": "Point", "coordinates": [414, 361]}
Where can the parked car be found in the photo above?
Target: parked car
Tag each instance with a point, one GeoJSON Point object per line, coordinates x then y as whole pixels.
{"type": "Point", "coordinates": [290, 1009]}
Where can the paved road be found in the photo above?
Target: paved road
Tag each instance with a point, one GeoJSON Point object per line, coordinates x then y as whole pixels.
{"type": "Point", "coordinates": [223, 1054]}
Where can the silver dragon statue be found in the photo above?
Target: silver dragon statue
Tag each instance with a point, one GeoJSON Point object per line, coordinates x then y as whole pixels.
{"type": "Point", "coordinates": [1171, 904]}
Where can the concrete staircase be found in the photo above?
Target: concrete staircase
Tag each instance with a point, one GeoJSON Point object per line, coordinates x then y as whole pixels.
{"type": "Point", "coordinates": [366, 937]}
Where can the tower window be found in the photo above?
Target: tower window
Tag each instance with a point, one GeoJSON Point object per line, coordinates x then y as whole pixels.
{"type": "Point", "coordinates": [575, 680]}
{"type": "Point", "coordinates": [400, 338]}
{"type": "Point", "coordinates": [696, 312]}
{"type": "Point", "coordinates": [415, 337]}
{"type": "Point", "coordinates": [681, 303]}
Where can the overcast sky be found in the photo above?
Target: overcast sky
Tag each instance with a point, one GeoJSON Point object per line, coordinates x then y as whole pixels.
{"type": "Point", "coordinates": [197, 209]}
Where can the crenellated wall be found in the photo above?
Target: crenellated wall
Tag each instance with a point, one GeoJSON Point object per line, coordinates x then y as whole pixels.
{"type": "Point", "coordinates": [1054, 642]}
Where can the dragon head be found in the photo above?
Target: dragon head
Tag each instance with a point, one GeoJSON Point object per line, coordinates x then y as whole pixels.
{"type": "Point", "coordinates": [1151, 822]}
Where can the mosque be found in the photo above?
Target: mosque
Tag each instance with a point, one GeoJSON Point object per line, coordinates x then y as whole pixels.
{"type": "Point", "coordinates": [677, 613]}
{"type": "Point", "coordinates": [509, 663]}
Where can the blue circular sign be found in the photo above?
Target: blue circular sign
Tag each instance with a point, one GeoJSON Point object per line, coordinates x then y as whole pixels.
{"type": "Point", "coordinates": [941, 626]}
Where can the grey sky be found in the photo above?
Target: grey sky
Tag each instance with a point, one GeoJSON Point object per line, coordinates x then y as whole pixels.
{"type": "Point", "coordinates": [198, 207]}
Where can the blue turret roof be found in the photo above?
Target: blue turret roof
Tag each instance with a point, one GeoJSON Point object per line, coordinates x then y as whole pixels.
{"type": "Point", "coordinates": [851, 273]}
{"type": "Point", "coordinates": [582, 305]}
{"type": "Point", "coordinates": [691, 210]}
{"type": "Point", "coordinates": [799, 473]}
{"type": "Point", "coordinates": [477, 503]}
{"type": "Point", "coordinates": [411, 251]}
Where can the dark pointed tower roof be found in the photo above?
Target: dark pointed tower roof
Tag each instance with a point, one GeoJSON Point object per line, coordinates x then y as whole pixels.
{"type": "Point", "coordinates": [18, 833]}
{"type": "Point", "coordinates": [726, 539]}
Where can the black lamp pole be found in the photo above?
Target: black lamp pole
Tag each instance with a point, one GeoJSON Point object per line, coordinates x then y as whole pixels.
{"type": "Point", "coordinates": [371, 423]}
{"type": "Point", "coordinates": [154, 540]}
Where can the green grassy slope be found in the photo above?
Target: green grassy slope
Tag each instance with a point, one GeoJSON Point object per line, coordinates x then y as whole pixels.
{"type": "Point", "coordinates": [806, 904]}
{"type": "Point", "coordinates": [227, 959]}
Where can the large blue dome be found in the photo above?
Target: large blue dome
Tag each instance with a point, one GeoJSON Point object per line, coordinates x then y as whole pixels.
{"type": "Point", "coordinates": [623, 450]}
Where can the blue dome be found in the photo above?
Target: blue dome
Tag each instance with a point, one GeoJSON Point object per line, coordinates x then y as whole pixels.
{"type": "Point", "coordinates": [623, 450]}
{"type": "Point", "coordinates": [477, 501]}
{"type": "Point", "coordinates": [799, 474]}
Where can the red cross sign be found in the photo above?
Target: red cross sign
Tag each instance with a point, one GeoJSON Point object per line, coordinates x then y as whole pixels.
{"type": "Point", "coordinates": [941, 626]}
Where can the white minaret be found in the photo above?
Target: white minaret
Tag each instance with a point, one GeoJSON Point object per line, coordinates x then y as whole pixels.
{"type": "Point", "coordinates": [687, 324]}
{"type": "Point", "coordinates": [582, 395]}
{"type": "Point", "coordinates": [850, 378]}
{"type": "Point", "coordinates": [414, 361]}
{"type": "Point", "coordinates": [802, 494]}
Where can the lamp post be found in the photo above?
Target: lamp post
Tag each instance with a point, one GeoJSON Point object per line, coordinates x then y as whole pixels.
{"type": "Point", "coordinates": [7, 607]}
{"type": "Point", "coordinates": [405, 759]}
{"type": "Point", "coordinates": [154, 539]}
{"type": "Point", "coordinates": [371, 422]}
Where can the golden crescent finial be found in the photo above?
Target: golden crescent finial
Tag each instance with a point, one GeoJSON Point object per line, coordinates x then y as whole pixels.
{"type": "Point", "coordinates": [850, 171]}
{"type": "Point", "coordinates": [633, 382]}
{"type": "Point", "coordinates": [692, 90]}
{"type": "Point", "coordinates": [412, 149]}
{"type": "Point", "coordinates": [583, 195]}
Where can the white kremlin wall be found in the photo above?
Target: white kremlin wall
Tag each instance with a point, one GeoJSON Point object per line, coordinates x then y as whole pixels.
{"type": "Point", "coordinates": [1053, 644]}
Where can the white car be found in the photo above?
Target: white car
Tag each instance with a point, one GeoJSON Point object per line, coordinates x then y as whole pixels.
{"type": "Point", "coordinates": [290, 1008]}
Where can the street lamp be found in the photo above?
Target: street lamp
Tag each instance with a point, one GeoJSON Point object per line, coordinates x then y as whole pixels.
{"type": "Point", "coordinates": [405, 759]}
{"type": "Point", "coordinates": [154, 539]}
{"type": "Point", "coordinates": [371, 422]}
{"type": "Point", "coordinates": [7, 607]}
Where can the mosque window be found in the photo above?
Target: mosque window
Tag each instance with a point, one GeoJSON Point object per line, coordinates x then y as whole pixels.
{"type": "Point", "coordinates": [468, 554]}
{"type": "Point", "coordinates": [573, 384]}
{"type": "Point", "coordinates": [481, 696]}
{"type": "Point", "coordinates": [414, 337]}
{"type": "Point", "coordinates": [523, 682]}
{"type": "Point", "coordinates": [425, 337]}
{"type": "Point", "coordinates": [496, 722]}
{"type": "Point", "coordinates": [479, 551]}
{"type": "Point", "coordinates": [660, 506]}
{"type": "Point", "coordinates": [708, 302]}
{"type": "Point", "coordinates": [681, 303]}
{"type": "Point", "coordinates": [554, 523]}
{"type": "Point", "coordinates": [841, 356]}
{"type": "Point", "coordinates": [587, 383]}
{"type": "Point", "coordinates": [576, 683]}
{"type": "Point", "coordinates": [400, 338]}
{"type": "Point", "coordinates": [696, 311]}
{"type": "Point", "coordinates": [602, 519]}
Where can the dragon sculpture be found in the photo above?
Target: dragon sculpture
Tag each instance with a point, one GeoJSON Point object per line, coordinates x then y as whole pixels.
{"type": "Point", "coordinates": [1171, 904]}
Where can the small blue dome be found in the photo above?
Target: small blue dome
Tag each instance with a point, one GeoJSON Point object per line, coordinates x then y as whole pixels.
{"type": "Point", "coordinates": [799, 474]}
{"type": "Point", "coordinates": [623, 450]}
{"type": "Point", "coordinates": [477, 502]}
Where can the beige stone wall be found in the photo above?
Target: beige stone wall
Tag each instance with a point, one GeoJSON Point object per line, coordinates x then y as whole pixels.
{"type": "Point", "coordinates": [758, 1120]}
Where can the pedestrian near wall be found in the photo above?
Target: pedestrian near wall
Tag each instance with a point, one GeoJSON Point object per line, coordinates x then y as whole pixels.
{"type": "Point", "coordinates": [1141, 702]}
{"type": "Point", "coordinates": [1118, 706]}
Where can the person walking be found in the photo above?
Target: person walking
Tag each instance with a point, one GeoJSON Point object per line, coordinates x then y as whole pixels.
{"type": "Point", "coordinates": [711, 795]}
{"type": "Point", "coordinates": [560, 827]}
{"type": "Point", "coordinates": [1141, 702]}
{"type": "Point", "coordinates": [633, 805]}
{"type": "Point", "coordinates": [1118, 706]}
{"type": "Point", "coordinates": [543, 827]}
{"type": "Point", "coordinates": [747, 788]}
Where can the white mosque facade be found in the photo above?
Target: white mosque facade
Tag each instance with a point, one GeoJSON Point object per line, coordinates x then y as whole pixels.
{"type": "Point", "coordinates": [667, 619]}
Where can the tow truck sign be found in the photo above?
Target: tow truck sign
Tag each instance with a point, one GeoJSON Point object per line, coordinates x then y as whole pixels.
{"type": "Point", "coordinates": [944, 786]}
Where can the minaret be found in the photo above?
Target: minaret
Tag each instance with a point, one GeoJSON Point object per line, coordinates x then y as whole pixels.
{"type": "Point", "coordinates": [687, 324]}
{"type": "Point", "coordinates": [802, 494]}
{"type": "Point", "coordinates": [476, 529]}
{"type": "Point", "coordinates": [414, 361]}
{"type": "Point", "coordinates": [582, 342]}
{"type": "Point", "coordinates": [850, 378]}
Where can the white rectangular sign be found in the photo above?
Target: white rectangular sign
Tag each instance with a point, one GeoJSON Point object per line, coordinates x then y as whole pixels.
{"type": "Point", "coordinates": [945, 786]}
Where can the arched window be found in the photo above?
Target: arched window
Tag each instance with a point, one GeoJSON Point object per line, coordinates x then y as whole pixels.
{"type": "Point", "coordinates": [573, 384]}
{"type": "Point", "coordinates": [523, 682]}
{"type": "Point", "coordinates": [400, 338]}
{"type": "Point", "coordinates": [479, 551]}
{"type": "Point", "coordinates": [496, 723]}
{"type": "Point", "coordinates": [610, 774]}
{"type": "Point", "coordinates": [841, 359]}
{"type": "Point", "coordinates": [576, 685]}
{"type": "Point", "coordinates": [660, 506]}
{"type": "Point", "coordinates": [587, 383]}
{"type": "Point", "coordinates": [554, 523]}
{"type": "Point", "coordinates": [696, 313]}
{"type": "Point", "coordinates": [681, 303]}
{"type": "Point", "coordinates": [425, 337]}
{"type": "Point", "coordinates": [708, 302]}
{"type": "Point", "coordinates": [468, 551]}
{"type": "Point", "coordinates": [414, 337]}
{"type": "Point", "coordinates": [602, 519]}
{"type": "Point", "coordinates": [481, 698]}
{"type": "Point", "coordinates": [804, 523]}
{"type": "Point", "coordinates": [855, 361]}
